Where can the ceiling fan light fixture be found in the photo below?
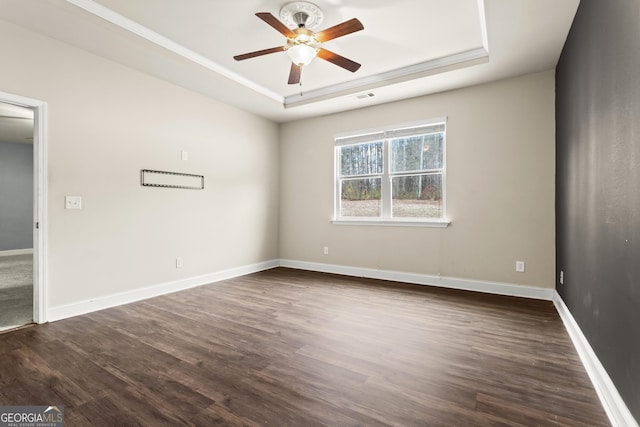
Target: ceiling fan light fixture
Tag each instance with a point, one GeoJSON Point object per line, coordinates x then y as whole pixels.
{"type": "Point", "coordinates": [303, 48]}
{"type": "Point", "coordinates": [301, 54]}
{"type": "Point", "coordinates": [303, 44]}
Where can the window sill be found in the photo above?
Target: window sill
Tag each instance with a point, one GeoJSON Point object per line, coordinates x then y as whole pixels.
{"type": "Point", "coordinates": [397, 222]}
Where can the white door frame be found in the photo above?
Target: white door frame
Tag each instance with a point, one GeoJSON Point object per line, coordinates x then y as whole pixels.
{"type": "Point", "coordinates": [39, 200]}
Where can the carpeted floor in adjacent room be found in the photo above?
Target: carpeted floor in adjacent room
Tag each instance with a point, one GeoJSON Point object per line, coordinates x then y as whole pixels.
{"type": "Point", "coordinates": [16, 291]}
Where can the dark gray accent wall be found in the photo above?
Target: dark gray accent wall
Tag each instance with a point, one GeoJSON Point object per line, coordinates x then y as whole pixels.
{"type": "Point", "coordinates": [598, 185]}
{"type": "Point", "coordinates": [16, 196]}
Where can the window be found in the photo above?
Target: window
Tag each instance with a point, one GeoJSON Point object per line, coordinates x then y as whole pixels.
{"type": "Point", "coordinates": [393, 175]}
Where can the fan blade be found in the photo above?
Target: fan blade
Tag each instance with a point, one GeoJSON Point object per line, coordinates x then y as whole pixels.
{"type": "Point", "coordinates": [276, 24]}
{"type": "Point", "coordinates": [294, 75]}
{"type": "Point", "coordinates": [347, 27]}
{"type": "Point", "coordinates": [340, 61]}
{"type": "Point", "coordinates": [259, 53]}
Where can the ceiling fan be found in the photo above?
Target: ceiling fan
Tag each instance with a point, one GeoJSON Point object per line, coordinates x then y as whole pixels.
{"type": "Point", "coordinates": [303, 44]}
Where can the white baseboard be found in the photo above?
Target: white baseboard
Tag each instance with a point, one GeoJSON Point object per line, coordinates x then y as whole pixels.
{"type": "Point", "coordinates": [12, 252]}
{"type": "Point", "coordinates": [614, 406]}
{"type": "Point", "coordinates": [424, 279]}
{"type": "Point", "coordinates": [121, 298]}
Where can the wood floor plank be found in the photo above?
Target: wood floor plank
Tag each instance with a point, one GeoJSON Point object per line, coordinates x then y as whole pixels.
{"type": "Point", "coordinates": [293, 348]}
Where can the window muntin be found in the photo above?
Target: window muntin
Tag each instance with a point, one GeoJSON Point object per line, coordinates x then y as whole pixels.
{"type": "Point", "coordinates": [361, 170]}
{"type": "Point", "coordinates": [394, 174]}
{"type": "Point", "coordinates": [414, 194]}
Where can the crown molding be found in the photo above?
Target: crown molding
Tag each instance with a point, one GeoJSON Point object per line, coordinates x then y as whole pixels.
{"type": "Point", "coordinates": [423, 69]}
{"type": "Point", "coordinates": [160, 40]}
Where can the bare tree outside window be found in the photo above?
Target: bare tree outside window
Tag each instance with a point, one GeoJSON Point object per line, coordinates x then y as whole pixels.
{"type": "Point", "coordinates": [360, 197]}
{"type": "Point", "coordinates": [392, 174]}
{"type": "Point", "coordinates": [416, 176]}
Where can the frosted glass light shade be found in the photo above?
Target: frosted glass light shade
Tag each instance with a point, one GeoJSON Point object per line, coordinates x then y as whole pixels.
{"type": "Point", "coordinates": [301, 54]}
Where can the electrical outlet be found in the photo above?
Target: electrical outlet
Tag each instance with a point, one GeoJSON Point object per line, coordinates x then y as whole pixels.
{"type": "Point", "coordinates": [561, 277]}
{"type": "Point", "coordinates": [179, 262]}
{"type": "Point", "coordinates": [520, 266]}
{"type": "Point", "coordinates": [325, 250]}
{"type": "Point", "coordinates": [184, 155]}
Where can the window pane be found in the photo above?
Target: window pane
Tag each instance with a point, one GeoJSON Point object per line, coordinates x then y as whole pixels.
{"type": "Point", "coordinates": [360, 197]}
{"type": "Point", "coordinates": [422, 152]}
{"type": "Point", "coordinates": [418, 196]}
{"type": "Point", "coordinates": [361, 159]}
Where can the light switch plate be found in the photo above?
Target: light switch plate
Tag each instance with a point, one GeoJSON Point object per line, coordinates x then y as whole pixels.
{"type": "Point", "coordinates": [73, 202]}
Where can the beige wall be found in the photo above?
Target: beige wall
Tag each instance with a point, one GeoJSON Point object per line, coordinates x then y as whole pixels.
{"type": "Point", "coordinates": [500, 187]}
{"type": "Point", "coordinates": [106, 122]}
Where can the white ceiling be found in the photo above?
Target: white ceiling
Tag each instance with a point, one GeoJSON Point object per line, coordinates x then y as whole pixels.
{"type": "Point", "coordinates": [16, 124]}
{"type": "Point", "coordinates": [408, 47]}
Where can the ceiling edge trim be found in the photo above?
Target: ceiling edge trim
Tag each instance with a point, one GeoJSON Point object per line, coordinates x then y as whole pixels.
{"type": "Point", "coordinates": [422, 69]}
{"type": "Point", "coordinates": [150, 35]}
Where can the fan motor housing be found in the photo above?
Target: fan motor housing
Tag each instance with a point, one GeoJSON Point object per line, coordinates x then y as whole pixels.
{"type": "Point", "coordinates": [301, 14]}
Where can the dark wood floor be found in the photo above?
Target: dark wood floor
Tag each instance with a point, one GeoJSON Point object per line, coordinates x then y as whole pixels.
{"type": "Point", "coordinates": [293, 348]}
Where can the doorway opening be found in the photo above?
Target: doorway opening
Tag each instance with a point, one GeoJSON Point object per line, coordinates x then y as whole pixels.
{"type": "Point", "coordinates": [22, 211]}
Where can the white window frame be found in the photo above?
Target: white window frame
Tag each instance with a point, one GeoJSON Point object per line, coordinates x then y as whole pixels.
{"type": "Point", "coordinates": [386, 134]}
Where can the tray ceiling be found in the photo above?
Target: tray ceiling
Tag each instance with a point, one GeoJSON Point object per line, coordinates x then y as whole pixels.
{"type": "Point", "coordinates": [408, 47]}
